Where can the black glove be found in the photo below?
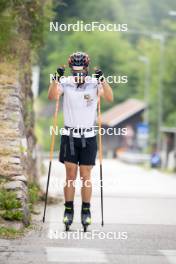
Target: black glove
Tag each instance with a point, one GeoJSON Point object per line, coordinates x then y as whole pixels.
{"type": "Point", "coordinates": [59, 73]}
{"type": "Point", "coordinates": [99, 75]}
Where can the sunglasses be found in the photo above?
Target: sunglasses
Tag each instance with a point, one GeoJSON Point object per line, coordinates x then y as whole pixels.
{"type": "Point", "coordinates": [79, 74]}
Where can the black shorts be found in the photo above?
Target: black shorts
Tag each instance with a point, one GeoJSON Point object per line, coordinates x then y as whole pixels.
{"type": "Point", "coordinates": [82, 155]}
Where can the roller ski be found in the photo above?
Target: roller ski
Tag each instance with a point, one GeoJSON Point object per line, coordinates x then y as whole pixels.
{"type": "Point", "coordinates": [68, 216]}
{"type": "Point", "coordinates": [85, 216]}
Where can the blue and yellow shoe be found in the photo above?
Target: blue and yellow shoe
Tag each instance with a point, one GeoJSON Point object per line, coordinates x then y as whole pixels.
{"type": "Point", "coordinates": [68, 217]}
{"type": "Point", "coordinates": [86, 217]}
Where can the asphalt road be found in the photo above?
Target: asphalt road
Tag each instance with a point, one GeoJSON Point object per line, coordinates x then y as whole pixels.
{"type": "Point", "coordinates": [140, 222]}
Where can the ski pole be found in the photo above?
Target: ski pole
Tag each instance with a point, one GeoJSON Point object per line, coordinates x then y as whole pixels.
{"type": "Point", "coordinates": [51, 154]}
{"type": "Point", "coordinates": [100, 157]}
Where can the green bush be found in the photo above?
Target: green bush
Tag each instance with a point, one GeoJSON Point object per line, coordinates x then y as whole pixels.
{"type": "Point", "coordinates": [13, 215]}
{"type": "Point", "coordinates": [33, 191]}
{"type": "Point", "coordinates": [8, 232]}
{"type": "Point", "coordinates": [42, 131]}
{"type": "Point", "coordinates": [8, 200]}
{"type": "Point", "coordinates": [34, 195]}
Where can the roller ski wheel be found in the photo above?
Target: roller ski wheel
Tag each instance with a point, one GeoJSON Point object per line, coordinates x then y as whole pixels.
{"type": "Point", "coordinates": [85, 228]}
{"type": "Point", "coordinates": [67, 228]}
{"type": "Point", "coordinates": [68, 218]}
{"type": "Point", "coordinates": [85, 218]}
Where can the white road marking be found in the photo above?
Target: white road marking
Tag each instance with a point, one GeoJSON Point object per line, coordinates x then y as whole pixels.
{"type": "Point", "coordinates": [170, 255]}
{"type": "Point", "coordinates": [67, 254]}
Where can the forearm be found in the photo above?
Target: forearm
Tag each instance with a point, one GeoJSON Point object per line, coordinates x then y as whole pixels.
{"type": "Point", "coordinates": [107, 91]}
{"type": "Point", "coordinates": [53, 92]}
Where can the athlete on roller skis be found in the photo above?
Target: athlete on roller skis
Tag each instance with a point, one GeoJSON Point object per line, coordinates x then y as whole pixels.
{"type": "Point", "coordinates": [78, 141]}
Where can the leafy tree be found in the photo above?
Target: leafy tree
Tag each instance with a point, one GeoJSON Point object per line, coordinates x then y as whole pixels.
{"type": "Point", "coordinates": [118, 53]}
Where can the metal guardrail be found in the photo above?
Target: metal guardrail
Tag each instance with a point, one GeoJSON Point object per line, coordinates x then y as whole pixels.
{"type": "Point", "coordinates": [134, 158]}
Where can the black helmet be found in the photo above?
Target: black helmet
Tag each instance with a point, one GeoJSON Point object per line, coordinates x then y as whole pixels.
{"type": "Point", "coordinates": [78, 60]}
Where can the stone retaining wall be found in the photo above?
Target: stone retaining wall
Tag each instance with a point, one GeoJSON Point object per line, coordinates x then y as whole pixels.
{"type": "Point", "coordinates": [17, 141]}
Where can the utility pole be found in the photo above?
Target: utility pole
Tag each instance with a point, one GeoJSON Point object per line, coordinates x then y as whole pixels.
{"type": "Point", "coordinates": [161, 38]}
{"type": "Point", "coordinates": [146, 61]}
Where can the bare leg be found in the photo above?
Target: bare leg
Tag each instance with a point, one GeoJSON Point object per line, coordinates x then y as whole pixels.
{"type": "Point", "coordinates": [71, 174]}
{"type": "Point", "coordinates": [86, 190]}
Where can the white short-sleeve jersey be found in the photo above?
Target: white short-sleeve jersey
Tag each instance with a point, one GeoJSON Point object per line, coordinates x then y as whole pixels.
{"type": "Point", "coordinates": [79, 102]}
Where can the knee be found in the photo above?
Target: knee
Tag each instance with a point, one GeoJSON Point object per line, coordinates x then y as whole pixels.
{"type": "Point", "coordinates": [71, 174]}
{"type": "Point", "coordinates": [85, 177]}
{"type": "Point", "coordinates": [85, 173]}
